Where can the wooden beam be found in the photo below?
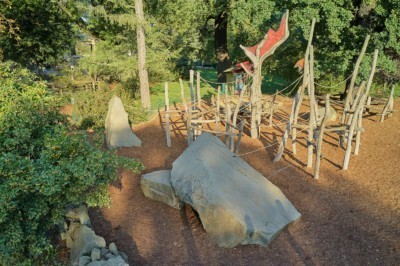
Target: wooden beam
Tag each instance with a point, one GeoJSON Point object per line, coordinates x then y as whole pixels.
{"type": "Point", "coordinates": [189, 127]}
{"type": "Point", "coordinates": [387, 106]}
{"type": "Point", "coordinates": [320, 137]}
{"type": "Point", "coordinates": [167, 129]}
{"type": "Point", "coordinates": [312, 119]}
{"type": "Point", "coordinates": [183, 96]}
{"type": "Point", "coordinates": [271, 109]}
{"type": "Point", "coordinates": [351, 131]}
{"type": "Point", "coordinates": [306, 80]}
{"type": "Point", "coordinates": [237, 145]}
{"type": "Point", "coordinates": [192, 95]}
{"type": "Point", "coordinates": [227, 119]}
{"type": "Point", "coordinates": [198, 90]}
{"type": "Point", "coordinates": [349, 96]}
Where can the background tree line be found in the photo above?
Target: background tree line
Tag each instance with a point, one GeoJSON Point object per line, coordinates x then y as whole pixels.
{"type": "Point", "coordinates": [183, 32]}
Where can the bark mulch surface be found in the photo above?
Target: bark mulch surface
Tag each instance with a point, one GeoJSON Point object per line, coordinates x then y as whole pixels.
{"type": "Point", "coordinates": [348, 217]}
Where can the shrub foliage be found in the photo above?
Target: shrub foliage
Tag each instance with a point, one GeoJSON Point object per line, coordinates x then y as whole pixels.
{"type": "Point", "coordinates": [91, 106]}
{"type": "Point", "coordinates": [44, 166]}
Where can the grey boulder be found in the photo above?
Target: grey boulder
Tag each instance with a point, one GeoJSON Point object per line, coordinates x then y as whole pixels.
{"type": "Point", "coordinates": [84, 240]}
{"type": "Point", "coordinates": [157, 186]}
{"type": "Point", "coordinates": [236, 204]}
{"type": "Point", "coordinates": [118, 130]}
{"type": "Point", "coordinates": [116, 261]}
{"type": "Point", "coordinates": [80, 214]}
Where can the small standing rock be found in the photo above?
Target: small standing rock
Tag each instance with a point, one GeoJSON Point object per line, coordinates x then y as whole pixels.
{"type": "Point", "coordinates": [96, 254]}
{"type": "Point", "coordinates": [113, 249]}
{"type": "Point", "coordinates": [104, 251]}
{"type": "Point", "coordinates": [80, 214]}
{"type": "Point", "coordinates": [109, 256]}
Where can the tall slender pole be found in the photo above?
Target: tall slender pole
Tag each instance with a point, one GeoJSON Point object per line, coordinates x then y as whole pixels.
{"type": "Point", "coordinates": [183, 95]}
{"type": "Point", "coordinates": [198, 90]}
{"type": "Point", "coordinates": [191, 86]}
{"type": "Point", "coordinates": [167, 115]}
{"type": "Point", "coordinates": [321, 136]}
{"type": "Point", "coordinates": [311, 122]}
{"type": "Point", "coordinates": [349, 96]}
{"type": "Point", "coordinates": [306, 79]}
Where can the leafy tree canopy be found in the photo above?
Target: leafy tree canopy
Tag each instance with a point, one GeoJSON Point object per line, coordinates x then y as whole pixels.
{"type": "Point", "coordinates": [44, 32]}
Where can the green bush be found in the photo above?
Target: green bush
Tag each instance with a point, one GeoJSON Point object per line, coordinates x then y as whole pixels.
{"type": "Point", "coordinates": [44, 167]}
{"type": "Point", "coordinates": [90, 107]}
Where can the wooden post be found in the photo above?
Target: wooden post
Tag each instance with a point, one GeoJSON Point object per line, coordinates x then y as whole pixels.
{"type": "Point", "coordinates": [368, 104]}
{"type": "Point", "coordinates": [234, 119]}
{"type": "Point", "coordinates": [237, 146]}
{"type": "Point", "coordinates": [282, 146]}
{"type": "Point", "coordinates": [358, 134]}
{"type": "Point", "coordinates": [361, 104]}
{"type": "Point", "coordinates": [189, 127]}
{"type": "Point", "coordinates": [227, 120]}
{"type": "Point", "coordinates": [217, 118]}
{"type": "Point", "coordinates": [356, 116]}
{"type": "Point", "coordinates": [271, 109]}
{"type": "Point", "coordinates": [371, 75]}
{"type": "Point", "coordinates": [213, 103]}
{"type": "Point", "coordinates": [321, 136]}
{"type": "Point", "coordinates": [198, 90]}
{"type": "Point", "coordinates": [192, 95]}
{"type": "Point", "coordinates": [167, 115]}
{"type": "Point", "coordinates": [388, 105]}
{"type": "Point", "coordinates": [351, 111]}
{"type": "Point", "coordinates": [193, 102]}
{"type": "Point", "coordinates": [238, 105]}
{"type": "Point", "coordinates": [349, 97]}
{"type": "Point", "coordinates": [183, 95]}
{"type": "Point", "coordinates": [311, 122]}
{"type": "Point", "coordinates": [391, 102]}
{"type": "Point", "coordinates": [306, 79]}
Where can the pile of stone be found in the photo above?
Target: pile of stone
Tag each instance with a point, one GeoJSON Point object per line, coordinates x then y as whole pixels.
{"type": "Point", "coordinates": [87, 248]}
{"type": "Point", "coordinates": [236, 204]}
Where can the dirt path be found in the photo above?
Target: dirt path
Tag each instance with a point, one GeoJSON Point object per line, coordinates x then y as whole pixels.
{"type": "Point", "coordinates": [348, 217]}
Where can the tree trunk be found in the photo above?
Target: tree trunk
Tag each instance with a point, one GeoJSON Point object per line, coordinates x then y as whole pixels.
{"type": "Point", "coordinates": [141, 47]}
{"type": "Point", "coordinates": [221, 45]}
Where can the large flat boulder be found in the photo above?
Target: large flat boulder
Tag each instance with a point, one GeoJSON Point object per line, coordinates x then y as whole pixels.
{"type": "Point", "coordinates": [157, 186]}
{"type": "Point", "coordinates": [236, 204]}
{"type": "Point", "coordinates": [118, 130]}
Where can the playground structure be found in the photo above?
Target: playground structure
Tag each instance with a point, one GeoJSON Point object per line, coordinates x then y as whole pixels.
{"type": "Point", "coordinates": [227, 113]}
{"type": "Point", "coordinates": [257, 54]}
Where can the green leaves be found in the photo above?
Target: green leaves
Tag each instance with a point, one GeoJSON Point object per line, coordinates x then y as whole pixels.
{"type": "Point", "coordinates": [90, 107]}
{"type": "Point", "coordinates": [44, 166]}
{"type": "Point", "coordinates": [44, 32]}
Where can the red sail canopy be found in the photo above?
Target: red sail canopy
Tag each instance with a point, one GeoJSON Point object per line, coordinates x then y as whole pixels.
{"type": "Point", "coordinates": [248, 67]}
{"type": "Point", "coordinates": [300, 64]}
{"type": "Point", "coordinates": [273, 37]}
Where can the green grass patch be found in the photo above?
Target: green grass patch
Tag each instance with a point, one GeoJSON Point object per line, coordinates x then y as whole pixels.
{"type": "Point", "coordinates": [273, 83]}
{"type": "Point", "coordinates": [174, 91]}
